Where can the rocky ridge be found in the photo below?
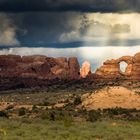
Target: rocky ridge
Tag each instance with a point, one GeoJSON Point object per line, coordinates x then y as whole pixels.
{"type": "Point", "coordinates": [37, 71]}
{"type": "Point", "coordinates": [38, 66]}
{"type": "Point", "coordinates": [111, 68]}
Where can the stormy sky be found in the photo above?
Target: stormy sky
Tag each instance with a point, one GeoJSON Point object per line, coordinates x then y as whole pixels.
{"type": "Point", "coordinates": [70, 5]}
{"type": "Point", "coordinates": [93, 30]}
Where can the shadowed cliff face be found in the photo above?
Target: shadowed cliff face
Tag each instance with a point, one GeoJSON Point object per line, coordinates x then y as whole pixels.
{"type": "Point", "coordinates": [33, 71]}
{"type": "Point", "coordinates": [41, 67]}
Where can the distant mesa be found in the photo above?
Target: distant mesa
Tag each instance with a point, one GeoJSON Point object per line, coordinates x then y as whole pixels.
{"type": "Point", "coordinates": [39, 66]}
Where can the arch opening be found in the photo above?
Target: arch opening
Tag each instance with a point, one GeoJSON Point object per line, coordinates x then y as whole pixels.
{"type": "Point", "coordinates": [123, 66]}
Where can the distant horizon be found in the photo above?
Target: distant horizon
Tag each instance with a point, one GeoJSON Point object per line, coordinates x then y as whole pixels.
{"type": "Point", "coordinates": [95, 55]}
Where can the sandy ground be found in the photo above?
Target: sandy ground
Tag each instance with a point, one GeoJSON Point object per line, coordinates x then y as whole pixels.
{"type": "Point", "coordinates": [108, 97]}
{"type": "Point", "coordinates": [111, 97]}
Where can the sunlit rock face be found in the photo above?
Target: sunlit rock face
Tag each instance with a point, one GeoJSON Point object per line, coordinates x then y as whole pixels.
{"type": "Point", "coordinates": [111, 68]}
{"type": "Point", "coordinates": [85, 70]}
{"type": "Point", "coordinates": [136, 67]}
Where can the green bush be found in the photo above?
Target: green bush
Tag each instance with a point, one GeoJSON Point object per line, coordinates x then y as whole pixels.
{"type": "Point", "coordinates": [77, 100]}
{"type": "Point", "coordinates": [46, 103]}
{"type": "Point", "coordinates": [22, 111]}
{"type": "Point", "coordinates": [118, 111]}
{"type": "Point", "coordinates": [3, 114]}
{"type": "Point", "coordinates": [34, 107]}
{"type": "Point", "coordinates": [48, 116]}
{"type": "Point", "coordinates": [93, 115]}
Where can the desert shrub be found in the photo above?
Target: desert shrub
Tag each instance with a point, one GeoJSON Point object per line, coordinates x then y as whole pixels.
{"type": "Point", "coordinates": [137, 92]}
{"type": "Point", "coordinates": [77, 100]}
{"type": "Point", "coordinates": [119, 111]}
{"type": "Point", "coordinates": [3, 114]}
{"type": "Point", "coordinates": [10, 107]}
{"type": "Point", "coordinates": [46, 103]}
{"type": "Point", "coordinates": [57, 115]}
{"type": "Point", "coordinates": [122, 113]}
{"type": "Point", "coordinates": [22, 111]}
{"type": "Point", "coordinates": [26, 121]}
{"type": "Point", "coordinates": [45, 116]}
{"type": "Point", "coordinates": [48, 116]}
{"type": "Point", "coordinates": [110, 112]}
{"type": "Point", "coordinates": [93, 115]}
{"type": "Point", "coordinates": [129, 83]}
{"type": "Point", "coordinates": [35, 109]}
{"type": "Point", "coordinates": [81, 113]}
{"type": "Point", "coordinates": [52, 116]}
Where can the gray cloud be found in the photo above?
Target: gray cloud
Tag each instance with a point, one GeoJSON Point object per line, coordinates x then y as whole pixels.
{"type": "Point", "coordinates": [92, 28]}
{"type": "Point", "coordinates": [48, 29]}
{"type": "Point", "coordinates": [43, 28]}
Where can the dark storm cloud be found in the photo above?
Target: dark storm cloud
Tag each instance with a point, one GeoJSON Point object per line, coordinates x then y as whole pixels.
{"type": "Point", "coordinates": [70, 5]}
{"type": "Point", "coordinates": [36, 27]}
{"type": "Point", "coordinates": [71, 29]}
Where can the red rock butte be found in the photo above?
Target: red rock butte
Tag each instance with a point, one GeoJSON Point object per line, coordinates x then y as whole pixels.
{"type": "Point", "coordinates": [39, 66]}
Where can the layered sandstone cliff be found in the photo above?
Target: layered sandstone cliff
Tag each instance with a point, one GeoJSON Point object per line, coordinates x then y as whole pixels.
{"type": "Point", "coordinates": [39, 67]}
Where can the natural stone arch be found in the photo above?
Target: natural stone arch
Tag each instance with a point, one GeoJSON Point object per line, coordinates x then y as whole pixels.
{"type": "Point", "coordinates": [123, 66]}
{"type": "Point", "coordinates": [127, 61]}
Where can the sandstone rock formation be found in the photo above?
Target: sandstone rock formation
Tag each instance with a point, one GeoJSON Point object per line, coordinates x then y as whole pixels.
{"type": "Point", "coordinates": [37, 70]}
{"type": "Point", "coordinates": [34, 58]}
{"type": "Point", "coordinates": [136, 67]}
{"type": "Point", "coordinates": [74, 68]}
{"type": "Point", "coordinates": [39, 66]}
{"type": "Point", "coordinates": [111, 97]}
{"type": "Point", "coordinates": [85, 70]}
{"type": "Point", "coordinates": [111, 68]}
